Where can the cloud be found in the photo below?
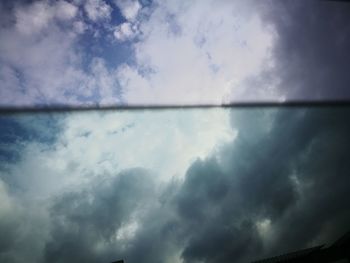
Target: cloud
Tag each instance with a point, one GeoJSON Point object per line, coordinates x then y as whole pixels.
{"type": "Point", "coordinates": [97, 191]}
{"type": "Point", "coordinates": [97, 147]}
{"type": "Point", "coordinates": [214, 232]}
{"type": "Point", "coordinates": [125, 31]}
{"type": "Point", "coordinates": [23, 228]}
{"type": "Point", "coordinates": [246, 197]}
{"type": "Point", "coordinates": [68, 152]}
{"type": "Point", "coordinates": [198, 53]}
{"type": "Point", "coordinates": [60, 172]}
{"type": "Point", "coordinates": [80, 27]}
{"type": "Point", "coordinates": [65, 10]}
{"type": "Point", "coordinates": [203, 52]}
{"type": "Point", "coordinates": [91, 220]}
{"type": "Point", "coordinates": [311, 50]}
{"type": "Point", "coordinates": [98, 10]}
{"type": "Point", "coordinates": [183, 186]}
{"type": "Point", "coordinates": [200, 62]}
{"type": "Point", "coordinates": [129, 29]}
{"type": "Point", "coordinates": [168, 52]}
{"type": "Point", "coordinates": [26, 55]}
{"type": "Point", "coordinates": [34, 18]}
{"type": "Point", "coordinates": [129, 8]}
{"type": "Point", "coordinates": [42, 62]}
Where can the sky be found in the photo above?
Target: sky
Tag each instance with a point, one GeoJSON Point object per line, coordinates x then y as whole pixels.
{"type": "Point", "coordinates": [143, 52]}
{"type": "Point", "coordinates": [175, 185]}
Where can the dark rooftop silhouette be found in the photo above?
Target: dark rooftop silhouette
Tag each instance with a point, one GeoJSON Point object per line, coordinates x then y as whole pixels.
{"type": "Point", "coordinates": [338, 252]}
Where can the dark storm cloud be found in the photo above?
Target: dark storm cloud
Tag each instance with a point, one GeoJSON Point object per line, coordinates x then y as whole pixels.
{"type": "Point", "coordinates": [83, 221]}
{"type": "Point", "coordinates": [292, 171]}
{"type": "Point", "coordinates": [312, 49]}
{"type": "Point", "coordinates": [23, 229]}
{"type": "Point", "coordinates": [323, 173]}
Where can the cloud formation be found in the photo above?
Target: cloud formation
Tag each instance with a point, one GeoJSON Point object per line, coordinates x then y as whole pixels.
{"type": "Point", "coordinates": [41, 62]}
{"type": "Point", "coordinates": [125, 31]}
{"type": "Point", "coordinates": [250, 194]}
{"type": "Point", "coordinates": [311, 51]}
{"type": "Point", "coordinates": [197, 53]}
{"type": "Point", "coordinates": [168, 52]}
{"type": "Point", "coordinates": [235, 202]}
{"type": "Point", "coordinates": [128, 8]}
{"type": "Point", "coordinates": [98, 10]}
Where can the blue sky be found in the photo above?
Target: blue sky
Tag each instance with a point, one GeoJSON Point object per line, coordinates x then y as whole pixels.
{"type": "Point", "coordinates": [97, 52]}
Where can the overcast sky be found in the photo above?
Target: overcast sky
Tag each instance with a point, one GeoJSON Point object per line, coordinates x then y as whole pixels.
{"type": "Point", "coordinates": [215, 185]}
{"type": "Point", "coordinates": [96, 52]}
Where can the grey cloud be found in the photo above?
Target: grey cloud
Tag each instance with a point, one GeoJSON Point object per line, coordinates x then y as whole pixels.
{"type": "Point", "coordinates": [323, 212]}
{"type": "Point", "coordinates": [312, 48]}
{"type": "Point", "coordinates": [23, 229]}
{"type": "Point", "coordinates": [83, 220]}
{"type": "Point", "coordinates": [288, 166]}
{"type": "Point", "coordinates": [212, 220]}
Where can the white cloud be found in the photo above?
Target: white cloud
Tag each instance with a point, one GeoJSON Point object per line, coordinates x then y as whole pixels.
{"type": "Point", "coordinates": [98, 10]}
{"type": "Point", "coordinates": [65, 10]}
{"type": "Point", "coordinates": [34, 18]}
{"type": "Point", "coordinates": [79, 27]}
{"type": "Point", "coordinates": [129, 8]}
{"type": "Point", "coordinates": [125, 31]}
{"type": "Point", "coordinates": [37, 16]}
{"type": "Point", "coordinates": [199, 52]}
{"type": "Point", "coordinates": [185, 53]}
{"type": "Point", "coordinates": [39, 54]}
{"type": "Point", "coordinates": [103, 81]}
{"type": "Point", "coordinates": [106, 143]}
{"type": "Point", "coordinates": [46, 67]}
{"type": "Point", "coordinates": [127, 231]}
{"type": "Point", "coordinates": [41, 61]}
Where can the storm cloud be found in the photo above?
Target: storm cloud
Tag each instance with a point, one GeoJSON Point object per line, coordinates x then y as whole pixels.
{"type": "Point", "coordinates": [280, 185]}
{"type": "Point", "coordinates": [311, 51]}
{"type": "Point", "coordinates": [275, 189]}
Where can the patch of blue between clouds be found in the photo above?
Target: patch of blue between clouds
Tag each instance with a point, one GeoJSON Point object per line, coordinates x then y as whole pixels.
{"type": "Point", "coordinates": [18, 130]}
{"type": "Point", "coordinates": [114, 53]}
